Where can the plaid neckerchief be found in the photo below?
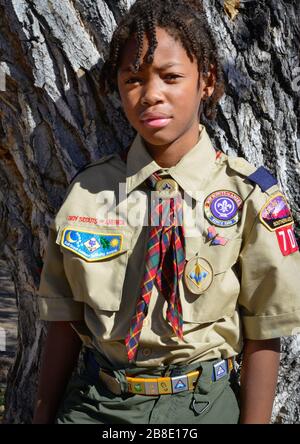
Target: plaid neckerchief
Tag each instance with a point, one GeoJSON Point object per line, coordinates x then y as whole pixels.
{"type": "Point", "coordinates": [165, 261]}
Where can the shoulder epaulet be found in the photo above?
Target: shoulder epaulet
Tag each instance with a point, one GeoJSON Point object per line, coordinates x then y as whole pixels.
{"type": "Point", "coordinates": [260, 176]}
{"type": "Point", "coordinates": [263, 178]}
{"type": "Point", "coordinates": [241, 166]}
{"type": "Point", "coordinates": [91, 164]}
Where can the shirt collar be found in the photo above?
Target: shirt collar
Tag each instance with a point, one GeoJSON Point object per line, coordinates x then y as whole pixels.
{"type": "Point", "coordinates": [191, 172]}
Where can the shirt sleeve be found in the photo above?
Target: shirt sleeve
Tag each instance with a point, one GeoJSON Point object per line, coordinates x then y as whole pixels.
{"type": "Point", "coordinates": [269, 300]}
{"type": "Point", "coordinates": [55, 298]}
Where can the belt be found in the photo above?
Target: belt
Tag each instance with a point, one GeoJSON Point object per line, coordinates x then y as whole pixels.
{"type": "Point", "coordinates": [161, 385]}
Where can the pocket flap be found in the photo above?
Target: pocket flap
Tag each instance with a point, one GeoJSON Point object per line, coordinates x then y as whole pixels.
{"type": "Point", "coordinates": [221, 258]}
{"type": "Point", "coordinates": [92, 245]}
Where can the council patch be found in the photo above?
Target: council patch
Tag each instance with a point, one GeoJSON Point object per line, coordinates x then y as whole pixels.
{"type": "Point", "coordinates": [276, 213]}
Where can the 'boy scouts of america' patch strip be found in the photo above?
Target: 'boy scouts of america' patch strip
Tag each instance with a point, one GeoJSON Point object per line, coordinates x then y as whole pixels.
{"type": "Point", "coordinates": [92, 246]}
{"type": "Point", "coordinates": [276, 213]}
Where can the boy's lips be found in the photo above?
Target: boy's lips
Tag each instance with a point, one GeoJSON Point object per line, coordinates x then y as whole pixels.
{"type": "Point", "coordinates": [157, 123]}
{"type": "Point", "coordinates": [155, 120]}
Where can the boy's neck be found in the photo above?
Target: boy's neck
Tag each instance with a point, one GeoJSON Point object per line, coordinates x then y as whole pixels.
{"type": "Point", "coordinates": [167, 156]}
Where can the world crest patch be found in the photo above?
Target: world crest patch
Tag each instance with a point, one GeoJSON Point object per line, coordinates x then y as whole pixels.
{"type": "Point", "coordinates": [222, 208]}
{"type": "Point", "coordinates": [90, 245]}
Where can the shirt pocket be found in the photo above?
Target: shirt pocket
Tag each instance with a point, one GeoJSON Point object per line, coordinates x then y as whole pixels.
{"type": "Point", "coordinates": [97, 278]}
{"type": "Point", "coordinates": [220, 299]}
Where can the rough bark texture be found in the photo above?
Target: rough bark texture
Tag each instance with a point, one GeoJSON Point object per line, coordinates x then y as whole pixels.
{"type": "Point", "coordinates": [53, 121]}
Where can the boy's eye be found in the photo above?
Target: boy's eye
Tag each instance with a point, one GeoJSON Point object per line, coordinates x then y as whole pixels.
{"type": "Point", "coordinates": [172, 76]}
{"type": "Point", "coordinates": [133, 80]}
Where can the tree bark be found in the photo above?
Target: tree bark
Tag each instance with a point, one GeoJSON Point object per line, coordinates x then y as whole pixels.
{"type": "Point", "coordinates": [53, 121]}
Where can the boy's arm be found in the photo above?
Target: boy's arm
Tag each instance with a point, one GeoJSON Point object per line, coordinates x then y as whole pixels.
{"type": "Point", "coordinates": [60, 355]}
{"type": "Point", "coordinates": [259, 375]}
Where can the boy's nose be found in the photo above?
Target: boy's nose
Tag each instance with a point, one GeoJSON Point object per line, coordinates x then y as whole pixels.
{"type": "Point", "coordinates": [152, 94]}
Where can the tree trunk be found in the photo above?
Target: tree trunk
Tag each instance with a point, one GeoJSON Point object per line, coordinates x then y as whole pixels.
{"type": "Point", "coordinates": [53, 121]}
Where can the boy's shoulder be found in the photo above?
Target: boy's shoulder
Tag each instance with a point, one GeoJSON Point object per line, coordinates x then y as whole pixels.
{"type": "Point", "coordinates": [256, 176]}
{"type": "Point", "coordinates": [240, 165]}
{"type": "Point", "coordinates": [92, 184]}
{"type": "Point", "coordinates": [102, 163]}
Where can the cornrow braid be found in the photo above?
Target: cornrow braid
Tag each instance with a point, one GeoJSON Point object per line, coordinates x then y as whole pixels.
{"type": "Point", "coordinates": [140, 29]}
{"type": "Point", "coordinates": [182, 19]}
{"type": "Point", "coordinates": [192, 47]}
{"type": "Point", "coordinates": [152, 34]}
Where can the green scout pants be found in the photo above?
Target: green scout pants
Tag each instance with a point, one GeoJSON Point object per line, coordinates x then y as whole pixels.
{"type": "Point", "coordinates": [87, 401]}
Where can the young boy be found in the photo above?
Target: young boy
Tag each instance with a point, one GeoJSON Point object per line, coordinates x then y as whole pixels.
{"type": "Point", "coordinates": [163, 308]}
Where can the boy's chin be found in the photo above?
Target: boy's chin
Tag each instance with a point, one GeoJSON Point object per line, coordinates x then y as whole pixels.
{"type": "Point", "coordinates": [158, 138]}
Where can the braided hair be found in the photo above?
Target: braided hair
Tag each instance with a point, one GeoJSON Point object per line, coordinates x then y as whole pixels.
{"type": "Point", "coordinates": [182, 19]}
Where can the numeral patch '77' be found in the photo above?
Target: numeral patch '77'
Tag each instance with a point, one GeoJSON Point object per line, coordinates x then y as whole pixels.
{"type": "Point", "coordinates": [287, 240]}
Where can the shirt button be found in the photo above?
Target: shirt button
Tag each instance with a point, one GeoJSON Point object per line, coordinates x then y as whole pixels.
{"type": "Point", "coordinates": [147, 351]}
{"type": "Point", "coordinates": [146, 322]}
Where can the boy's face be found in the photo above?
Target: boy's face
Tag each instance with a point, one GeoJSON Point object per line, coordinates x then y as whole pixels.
{"type": "Point", "coordinates": [161, 100]}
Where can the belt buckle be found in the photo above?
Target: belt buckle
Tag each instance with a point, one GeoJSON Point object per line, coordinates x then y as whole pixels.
{"type": "Point", "coordinates": [110, 382]}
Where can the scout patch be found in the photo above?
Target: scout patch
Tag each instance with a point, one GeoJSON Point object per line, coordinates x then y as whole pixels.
{"type": "Point", "coordinates": [222, 208]}
{"type": "Point", "coordinates": [91, 246]}
{"type": "Point", "coordinates": [179, 383]}
{"type": "Point", "coordinates": [287, 240]}
{"type": "Point", "coordinates": [276, 213]}
{"type": "Point", "coordinates": [198, 275]}
{"type": "Point", "coordinates": [220, 370]}
{"type": "Point", "coordinates": [214, 237]}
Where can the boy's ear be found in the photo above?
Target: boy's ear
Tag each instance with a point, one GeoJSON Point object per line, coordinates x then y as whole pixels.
{"type": "Point", "coordinates": [209, 82]}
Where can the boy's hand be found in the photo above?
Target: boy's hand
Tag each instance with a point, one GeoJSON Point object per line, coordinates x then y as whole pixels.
{"type": "Point", "coordinates": [60, 356]}
{"type": "Point", "coordinates": [259, 375]}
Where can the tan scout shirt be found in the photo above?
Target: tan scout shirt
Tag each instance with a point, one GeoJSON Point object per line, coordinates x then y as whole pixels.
{"type": "Point", "coordinates": [255, 289]}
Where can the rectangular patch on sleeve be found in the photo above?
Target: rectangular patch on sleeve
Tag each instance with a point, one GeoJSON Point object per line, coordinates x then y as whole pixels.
{"type": "Point", "coordinates": [287, 240]}
{"type": "Point", "coordinates": [276, 213]}
{"type": "Point", "coordinates": [91, 246]}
